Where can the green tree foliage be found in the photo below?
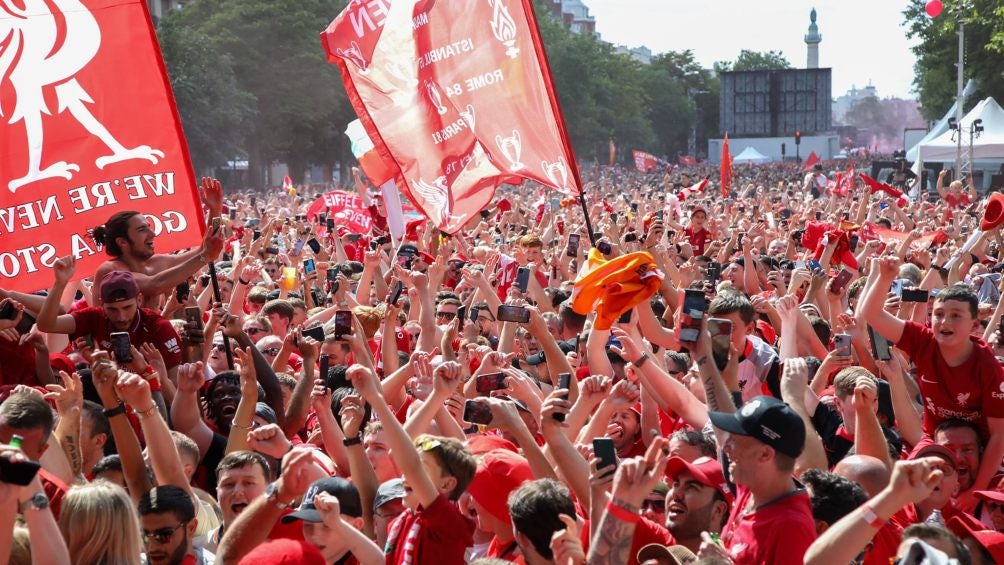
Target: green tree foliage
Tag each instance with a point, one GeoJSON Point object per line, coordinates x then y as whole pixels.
{"type": "Point", "coordinates": [273, 45]}
{"type": "Point", "coordinates": [755, 61]}
{"type": "Point", "coordinates": [937, 52]}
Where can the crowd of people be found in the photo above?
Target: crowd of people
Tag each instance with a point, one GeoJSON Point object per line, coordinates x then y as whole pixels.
{"type": "Point", "coordinates": [801, 370]}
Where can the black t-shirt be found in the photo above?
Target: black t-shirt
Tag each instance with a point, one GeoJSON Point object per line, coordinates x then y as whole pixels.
{"type": "Point", "coordinates": [205, 475]}
{"type": "Point", "coordinates": [838, 441]}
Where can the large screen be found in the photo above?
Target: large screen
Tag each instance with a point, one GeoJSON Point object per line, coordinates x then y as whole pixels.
{"type": "Point", "coordinates": [776, 103]}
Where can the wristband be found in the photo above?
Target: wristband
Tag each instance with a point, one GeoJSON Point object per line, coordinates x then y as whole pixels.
{"type": "Point", "coordinates": [117, 411]}
{"type": "Point", "coordinates": [154, 384]}
{"type": "Point", "coordinates": [145, 373]}
{"type": "Point", "coordinates": [243, 282]}
{"type": "Point", "coordinates": [144, 414]}
{"type": "Point", "coordinates": [350, 441]}
{"type": "Point", "coordinates": [622, 514]}
{"type": "Point", "coordinates": [641, 361]}
{"type": "Point", "coordinates": [234, 424]}
{"type": "Point", "coordinates": [870, 517]}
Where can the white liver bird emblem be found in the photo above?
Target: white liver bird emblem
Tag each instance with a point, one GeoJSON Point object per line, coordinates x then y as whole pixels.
{"type": "Point", "coordinates": [44, 46]}
{"type": "Point", "coordinates": [436, 197]}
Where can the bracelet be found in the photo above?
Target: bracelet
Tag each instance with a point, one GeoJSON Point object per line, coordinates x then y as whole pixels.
{"type": "Point", "coordinates": [234, 424]}
{"type": "Point", "coordinates": [144, 414]}
{"type": "Point", "coordinates": [641, 361]}
{"type": "Point", "coordinates": [243, 282]}
{"type": "Point", "coordinates": [870, 517]}
{"type": "Point", "coordinates": [112, 412]}
{"type": "Point", "coordinates": [350, 441]}
{"type": "Point", "coordinates": [622, 514]}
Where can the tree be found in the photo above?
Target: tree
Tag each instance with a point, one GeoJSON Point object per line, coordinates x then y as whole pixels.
{"type": "Point", "coordinates": [212, 106]}
{"type": "Point", "coordinates": [681, 95]}
{"type": "Point", "coordinates": [937, 51]}
{"type": "Point", "coordinates": [755, 61]}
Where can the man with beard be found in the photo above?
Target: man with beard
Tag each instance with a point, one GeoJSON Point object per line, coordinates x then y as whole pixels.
{"type": "Point", "coordinates": [128, 239]}
{"type": "Point", "coordinates": [963, 439]}
{"type": "Point", "coordinates": [697, 501]}
{"type": "Point", "coordinates": [120, 312]}
{"type": "Point", "coordinates": [167, 515]}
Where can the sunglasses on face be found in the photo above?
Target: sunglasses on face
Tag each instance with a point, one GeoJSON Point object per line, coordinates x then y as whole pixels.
{"type": "Point", "coordinates": [161, 536]}
{"type": "Point", "coordinates": [446, 315]}
{"type": "Point", "coordinates": [254, 330]}
{"type": "Point", "coordinates": [655, 505]}
{"type": "Point", "coordinates": [219, 347]}
{"type": "Point", "coordinates": [270, 351]}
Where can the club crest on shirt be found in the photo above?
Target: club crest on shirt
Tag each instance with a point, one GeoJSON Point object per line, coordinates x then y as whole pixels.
{"type": "Point", "coordinates": [962, 398]}
{"type": "Point", "coordinates": [172, 345]}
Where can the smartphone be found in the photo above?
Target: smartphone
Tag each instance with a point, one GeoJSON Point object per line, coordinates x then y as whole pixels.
{"type": "Point", "coordinates": [841, 280]}
{"type": "Point", "coordinates": [555, 203]}
{"type": "Point", "coordinates": [233, 214]}
{"type": "Point", "coordinates": [842, 342]}
{"type": "Point", "coordinates": [713, 273]}
{"type": "Point", "coordinates": [721, 337]}
{"type": "Point", "coordinates": [325, 362]}
{"type": "Point", "coordinates": [120, 347]}
{"type": "Point", "coordinates": [634, 207]}
{"type": "Point", "coordinates": [89, 340]}
{"type": "Point", "coordinates": [477, 412]}
{"type": "Point", "coordinates": [19, 473]}
{"type": "Point", "coordinates": [182, 291]}
{"type": "Point", "coordinates": [603, 247]}
{"type": "Point", "coordinates": [603, 449]}
{"type": "Point", "coordinates": [27, 320]}
{"type": "Point", "coordinates": [522, 279]}
{"type": "Point", "coordinates": [193, 316]}
{"type": "Point", "coordinates": [272, 250]}
{"type": "Point", "coordinates": [343, 323]}
{"type": "Point", "coordinates": [564, 380]}
{"type": "Point", "coordinates": [329, 224]}
{"type": "Point", "coordinates": [915, 295]}
{"type": "Point", "coordinates": [298, 248]}
{"type": "Point", "coordinates": [255, 235]}
{"type": "Point", "coordinates": [814, 265]}
{"type": "Point", "coordinates": [316, 332]}
{"type": "Point", "coordinates": [694, 307]}
{"type": "Point", "coordinates": [509, 313]}
{"type": "Point", "coordinates": [897, 287]}
{"type": "Point", "coordinates": [818, 216]}
{"type": "Point", "coordinates": [395, 293]}
{"type": "Point", "coordinates": [853, 243]}
{"type": "Point", "coordinates": [309, 267]}
{"type": "Point", "coordinates": [573, 245]}
{"type": "Point", "coordinates": [880, 345]}
{"type": "Point", "coordinates": [204, 281]}
{"type": "Point", "coordinates": [314, 245]}
{"type": "Point", "coordinates": [322, 218]}
{"type": "Point", "coordinates": [461, 317]}
{"type": "Point", "coordinates": [354, 237]}
{"type": "Point", "coordinates": [485, 384]}
{"type": "Point", "coordinates": [785, 214]}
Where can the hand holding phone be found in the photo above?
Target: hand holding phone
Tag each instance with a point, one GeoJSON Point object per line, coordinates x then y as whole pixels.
{"type": "Point", "coordinates": [564, 380]}
{"type": "Point", "coordinates": [477, 411]}
{"type": "Point", "coordinates": [603, 449]}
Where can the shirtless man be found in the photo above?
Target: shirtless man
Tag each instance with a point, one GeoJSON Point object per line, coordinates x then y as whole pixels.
{"type": "Point", "coordinates": [128, 239]}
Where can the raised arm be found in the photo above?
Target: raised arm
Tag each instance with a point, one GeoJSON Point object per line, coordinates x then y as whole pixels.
{"type": "Point", "coordinates": [872, 305]}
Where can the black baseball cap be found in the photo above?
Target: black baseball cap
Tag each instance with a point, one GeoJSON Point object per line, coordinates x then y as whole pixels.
{"type": "Point", "coordinates": [767, 420]}
{"type": "Point", "coordinates": [344, 491]}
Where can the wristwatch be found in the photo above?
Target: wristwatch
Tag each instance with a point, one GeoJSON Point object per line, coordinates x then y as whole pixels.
{"type": "Point", "coordinates": [350, 441]}
{"type": "Point", "coordinates": [38, 501]}
{"type": "Point", "coordinates": [272, 495]}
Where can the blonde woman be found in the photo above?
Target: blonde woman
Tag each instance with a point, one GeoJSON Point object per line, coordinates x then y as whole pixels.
{"type": "Point", "coordinates": [100, 525]}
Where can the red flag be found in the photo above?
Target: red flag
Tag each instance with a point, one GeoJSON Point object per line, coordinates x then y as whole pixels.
{"type": "Point", "coordinates": [810, 161]}
{"type": "Point", "coordinates": [693, 190]}
{"type": "Point", "coordinates": [687, 161]}
{"type": "Point", "coordinates": [846, 182]}
{"type": "Point", "coordinates": [877, 186]}
{"type": "Point", "coordinates": [89, 129]}
{"type": "Point", "coordinates": [644, 162]}
{"type": "Point", "coordinates": [725, 168]}
{"type": "Point", "coordinates": [457, 98]}
{"type": "Point", "coordinates": [287, 183]}
{"type": "Point", "coordinates": [346, 208]}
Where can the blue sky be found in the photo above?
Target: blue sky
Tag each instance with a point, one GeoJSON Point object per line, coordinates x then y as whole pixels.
{"type": "Point", "coordinates": [863, 40]}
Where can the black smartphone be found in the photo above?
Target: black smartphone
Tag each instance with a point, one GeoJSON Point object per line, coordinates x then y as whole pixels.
{"type": "Point", "coordinates": [354, 237]}
{"type": "Point", "coordinates": [461, 317]}
{"type": "Point", "coordinates": [477, 412]}
{"type": "Point", "coordinates": [713, 273]}
{"type": "Point", "coordinates": [322, 218]}
{"type": "Point", "coordinates": [564, 380]}
{"type": "Point", "coordinates": [395, 293]}
{"type": "Point", "coordinates": [625, 317]}
{"type": "Point", "coordinates": [182, 291]}
{"type": "Point", "coordinates": [193, 317]}
{"type": "Point", "coordinates": [484, 384]}
{"type": "Point", "coordinates": [233, 214]}
{"type": "Point", "coordinates": [694, 307]}
{"type": "Point", "coordinates": [720, 330]}
{"type": "Point", "coordinates": [332, 276]}
{"type": "Point", "coordinates": [254, 200]}
{"type": "Point", "coordinates": [18, 473]}
{"type": "Point", "coordinates": [324, 361]}
{"type": "Point", "coordinates": [314, 245]}
{"type": "Point", "coordinates": [603, 449]}
{"type": "Point", "coordinates": [522, 279]}
{"type": "Point", "coordinates": [309, 267]}
{"type": "Point", "coordinates": [298, 248]}
{"type": "Point", "coordinates": [785, 214]}
{"type": "Point", "coordinates": [316, 332]}
{"type": "Point", "coordinates": [255, 235]}
{"type": "Point", "coordinates": [604, 247]}
{"type": "Point", "coordinates": [272, 250]}
{"type": "Point", "coordinates": [89, 340]}
{"type": "Point", "coordinates": [343, 323]}
{"type": "Point", "coordinates": [329, 224]}
{"type": "Point", "coordinates": [853, 243]}
{"type": "Point", "coordinates": [7, 312]}
{"type": "Point", "coordinates": [120, 347]}
{"type": "Point", "coordinates": [818, 216]}
{"type": "Point", "coordinates": [573, 245]}
{"type": "Point", "coordinates": [915, 295]}
{"type": "Point", "coordinates": [509, 313]}
{"type": "Point", "coordinates": [880, 345]}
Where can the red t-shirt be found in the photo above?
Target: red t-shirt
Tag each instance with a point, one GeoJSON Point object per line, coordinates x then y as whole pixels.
{"type": "Point", "coordinates": [957, 199]}
{"type": "Point", "coordinates": [778, 533]}
{"type": "Point", "coordinates": [645, 532]}
{"type": "Point", "coordinates": [884, 545]}
{"type": "Point", "coordinates": [54, 488]}
{"type": "Point", "coordinates": [148, 327]}
{"type": "Point", "coordinates": [909, 515]}
{"type": "Point", "coordinates": [973, 391]}
{"type": "Point", "coordinates": [438, 534]}
{"type": "Point", "coordinates": [18, 367]}
{"type": "Point", "coordinates": [697, 239]}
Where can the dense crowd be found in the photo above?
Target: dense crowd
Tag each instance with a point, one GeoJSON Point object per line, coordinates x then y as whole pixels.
{"type": "Point", "coordinates": [801, 369]}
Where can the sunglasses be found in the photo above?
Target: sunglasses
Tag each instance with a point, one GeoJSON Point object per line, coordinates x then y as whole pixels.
{"type": "Point", "coordinates": [219, 347]}
{"type": "Point", "coordinates": [270, 351]}
{"type": "Point", "coordinates": [254, 330]}
{"type": "Point", "coordinates": [655, 505]}
{"type": "Point", "coordinates": [428, 444]}
{"type": "Point", "coordinates": [161, 536]}
{"type": "Point", "coordinates": [446, 315]}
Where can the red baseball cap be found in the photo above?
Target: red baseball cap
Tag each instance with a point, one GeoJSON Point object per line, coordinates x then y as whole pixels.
{"type": "Point", "coordinates": [500, 472]}
{"type": "Point", "coordinates": [118, 286]}
{"type": "Point", "coordinates": [282, 552]}
{"type": "Point", "coordinates": [707, 471]}
{"type": "Point", "coordinates": [990, 540]}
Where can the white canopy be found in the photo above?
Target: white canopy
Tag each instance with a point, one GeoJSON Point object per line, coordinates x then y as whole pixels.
{"type": "Point", "coordinates": [750, 155]}
{"type": "Point", "coordinates": [988, 147]}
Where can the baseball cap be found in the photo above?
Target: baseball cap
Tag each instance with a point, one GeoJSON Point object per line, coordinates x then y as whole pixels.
{"type": "Point", "coordinates": [284, 551]}
{"type": "Point", "coordinates": [118, 286]}
{"type": "Point", "coordinates": [933, 449]}
{"type": "Point", "coordinates": [699, 208]}
{"type": "Point", "coordinates": [706, 470]}
{"type": "Point", "coordinates": [344, 491]}
{"type": "Point", "coordinates": [767, 420]}
{"type": "Point", "coordinates": [499, 472]}
{"type": "Point", "coordinates": [266, 412]}
{"type": "Point", "coordinates": [991, 541]}
{"type": "Point", "coordinates": [387, 492]}
{"type": "Point", "coordinates": [674, 554]}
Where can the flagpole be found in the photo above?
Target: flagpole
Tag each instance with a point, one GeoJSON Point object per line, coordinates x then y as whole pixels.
{"type": "Point", "coordinates": [545, 67]}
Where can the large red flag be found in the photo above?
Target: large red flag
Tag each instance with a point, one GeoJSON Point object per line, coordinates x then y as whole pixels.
{"type": "Point", "coordinates": [457, 98]}
{"type": "Point", "coordinates": [725, 169]}
{"type": "Point", "coordinates": [810, 161]}
{"type": "Point", "coordinates": [88, 128]}
{"type": "Point", "coordinates": [644, 162]}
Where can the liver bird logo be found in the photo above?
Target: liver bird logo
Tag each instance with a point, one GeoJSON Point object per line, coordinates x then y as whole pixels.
{"type": "Point", "coordinates": [44, 44]}
{"type": "Point", "coordinates": [436, 197]}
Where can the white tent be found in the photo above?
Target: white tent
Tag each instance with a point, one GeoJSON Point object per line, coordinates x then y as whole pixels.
{"type": "Point", "coordinates": [750, 155]}
{"type": "Point", "coordinates": [988, 147]}
{"type": "Point", "coordinates": [942, 125]}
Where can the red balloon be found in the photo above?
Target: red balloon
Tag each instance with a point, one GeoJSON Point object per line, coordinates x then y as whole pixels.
{"type": "Point", "coordinates": [933, 8]}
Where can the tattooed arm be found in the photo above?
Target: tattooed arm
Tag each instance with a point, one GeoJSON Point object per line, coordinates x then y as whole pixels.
{"type": "Point", "coordinates": [612, 543]}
